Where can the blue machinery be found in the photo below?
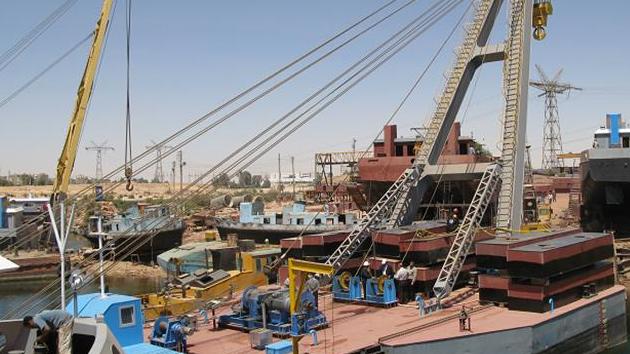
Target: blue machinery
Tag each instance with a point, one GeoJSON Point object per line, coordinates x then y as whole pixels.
{"type": "Point", "coordinates": [171, 334]}
{"type": "Point", "coordinates": [379, 291]}
{"type": "Point", "coordinates": [271, 309]}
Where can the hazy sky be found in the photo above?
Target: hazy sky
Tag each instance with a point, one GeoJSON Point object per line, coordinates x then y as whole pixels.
{"type": "Point", "coordinates": [189, 56]}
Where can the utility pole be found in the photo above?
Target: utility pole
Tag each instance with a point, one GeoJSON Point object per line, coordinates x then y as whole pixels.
{"type": "Point", "coordinates": [552, 140]}
{"type": "Point", "coordinates": [173, 169]}
{"type": "Point", "coordinates": [279, 175]}
{"type": "Point", "coordinates": [98, 176]}
{"type": "Point", "coordinates": [180, 161]}
{"type": "Point", "coordinates": [293, 174]}
{"type": "Point", "coordinates": [159, 171]}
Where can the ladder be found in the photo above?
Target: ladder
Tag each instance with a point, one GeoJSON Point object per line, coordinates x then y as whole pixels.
{"type": "Point", "coordinates": [374, 219]}
{"type": "Point", "coordinates": [512, 85]}
{"type": "Point", "coordinates": [402, 214]}
{"type": "Point", "coordinates": [466, 232]}
{"type": "Point", "coordinates": [393, 208]}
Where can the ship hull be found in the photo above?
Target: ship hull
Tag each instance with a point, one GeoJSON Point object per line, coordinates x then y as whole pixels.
{"type": "Point", "coordinates": [149, 250]}
{"type": "Point", "coordinates": [606, 195]}
{"type": "Point", "coordinates": [261, 233]}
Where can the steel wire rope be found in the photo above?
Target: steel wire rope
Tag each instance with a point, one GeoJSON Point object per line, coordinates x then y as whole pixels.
{"type": "Point", "coordinates": [87, 109]}
{"type": "Point", "coordinates": [9, 55]}
{"type": "Point", "coordinates": [260, 83]}
{"type": "Point", "coordinates": [286, 135]}
{"type": "Point", "coordinates": [263, 81]}
{"type": "Point", "coordinates": [26, 85]}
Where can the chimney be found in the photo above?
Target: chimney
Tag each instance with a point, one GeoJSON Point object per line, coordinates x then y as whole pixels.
{"type": "Point", "coordinates": [389, 134]}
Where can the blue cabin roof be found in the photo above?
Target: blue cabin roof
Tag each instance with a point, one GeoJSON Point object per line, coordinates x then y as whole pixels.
{"type": "Point", "coordinates": [93, 304]}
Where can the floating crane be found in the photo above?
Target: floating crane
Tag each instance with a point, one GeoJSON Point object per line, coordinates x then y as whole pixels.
{"type": "Point", "coordinates": [398, 206]}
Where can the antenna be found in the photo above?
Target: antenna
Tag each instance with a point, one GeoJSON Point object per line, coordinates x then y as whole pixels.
{"type": "Point", "coordinates": [99, 148]}
{"type": "Point", "coordinates": [552, 140]}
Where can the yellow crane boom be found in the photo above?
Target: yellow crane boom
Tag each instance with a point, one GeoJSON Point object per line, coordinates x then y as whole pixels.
{"type": "Point", "coordinates": [65, 165]}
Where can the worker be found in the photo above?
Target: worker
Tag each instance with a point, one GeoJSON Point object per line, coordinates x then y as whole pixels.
{"type": "Point", "coordinates": [312, 285]}
{"type": "Point", "coordinates": [452, 223]}
{"type": "Point", "coordinates": [365, 273]}
{"type": "Point", "coordinates": [286, 282]}
{"type": "Point", "coordinates": [401, 278]}
{"type": "Point", "coordinates": [385, 269]}
{"type": "Point", "coordinates": [54, 329]}
{"type": "Point", "coordinates": [413, 273]}
{"type": "Point", "coordinates": [464, 320]}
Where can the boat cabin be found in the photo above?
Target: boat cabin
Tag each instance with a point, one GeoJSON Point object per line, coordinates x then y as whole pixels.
{"type": "Point", "coordinates": [124, 318]}
{"type": "Point", "coordinates": [294, 214]}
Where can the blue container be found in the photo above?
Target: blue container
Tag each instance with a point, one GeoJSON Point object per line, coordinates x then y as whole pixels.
{"type": "Point", "coordinates": [283, 347]}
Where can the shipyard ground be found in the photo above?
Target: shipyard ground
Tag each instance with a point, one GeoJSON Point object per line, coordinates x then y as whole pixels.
{"type": "Point", "coordinates": [574, 328]}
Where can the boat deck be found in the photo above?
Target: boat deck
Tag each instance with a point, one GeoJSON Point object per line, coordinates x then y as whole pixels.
{"type": "Point", "coordinates": [355, 327]}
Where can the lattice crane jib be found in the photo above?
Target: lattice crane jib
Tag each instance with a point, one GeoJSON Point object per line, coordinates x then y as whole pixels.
{"type": "Point", "coordinates": [401, 199]}
{"type": "Point", "coordinates": [516, 83]}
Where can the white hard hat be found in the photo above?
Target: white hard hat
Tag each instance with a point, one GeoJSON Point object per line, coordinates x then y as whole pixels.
{"type": "Point", "coordinates": [366, 263]}
{"type": "Point", "coordinates": [383, 261]}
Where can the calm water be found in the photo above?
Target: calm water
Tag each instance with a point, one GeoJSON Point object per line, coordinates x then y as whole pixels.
{"type": "Point", "coordinates": [13, 294]}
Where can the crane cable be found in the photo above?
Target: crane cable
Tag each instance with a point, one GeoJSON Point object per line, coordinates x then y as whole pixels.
{"type": "Point", "coordinates": [128, 150]}
{"type": "Point", "coordinates": [133, 245]}
{"type": "Point", "coordinates": [9, 55]}
{"type": "Point", "coordinates": [26, 85]}
{"type": "Point", "coordinates": [257, 85]}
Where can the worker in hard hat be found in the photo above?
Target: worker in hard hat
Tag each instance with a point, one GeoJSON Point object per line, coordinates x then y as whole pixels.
{"type": "Point", "coordinates": [385, 269]}
{"type": "Point", "coordinates": [365, 273]}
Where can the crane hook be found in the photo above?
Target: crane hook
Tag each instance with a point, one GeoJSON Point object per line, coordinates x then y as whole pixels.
{"type": "Point", "coordinates": [128, 174]}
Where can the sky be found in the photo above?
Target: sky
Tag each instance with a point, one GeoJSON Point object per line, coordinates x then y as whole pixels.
{"type": "Point", "coordinates": [189, 57]}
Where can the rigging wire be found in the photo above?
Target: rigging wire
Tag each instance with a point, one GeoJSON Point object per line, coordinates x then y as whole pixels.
{"type": "Point", "coordinates": [23, 43]}
{"type": "Point", "coordinates": [34, 79]}
{"type": "Point", "coordinates": [252, 88]}
{"type": "Point", "coordinates": [132, 247]}
{"type": "Point", "coordinates": [128, 150]}
{"type": "Point", "coordinates": [311, 117]}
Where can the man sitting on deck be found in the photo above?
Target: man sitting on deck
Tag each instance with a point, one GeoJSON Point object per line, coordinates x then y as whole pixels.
{"type": "Point", "coordinates": [54, 329]}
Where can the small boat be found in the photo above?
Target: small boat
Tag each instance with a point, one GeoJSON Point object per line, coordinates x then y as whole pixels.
{"type": "Point", "coordinates": [293, 221]}
{"type": "Point", "coordinates": [139, 223]}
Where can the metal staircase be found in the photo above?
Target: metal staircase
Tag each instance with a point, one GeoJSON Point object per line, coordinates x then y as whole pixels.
{"type": "Point", "coordinates": [513, 76]}
{"type": "Point", "coordinates": [401, 200]}
{"type": "Point", "coordinates": [466, 232]}
{"type": "Point", "coordinates": [429, 151]}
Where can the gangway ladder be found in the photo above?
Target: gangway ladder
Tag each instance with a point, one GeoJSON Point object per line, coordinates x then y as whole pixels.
{"type": "Point", "coordinates": [466, 232]}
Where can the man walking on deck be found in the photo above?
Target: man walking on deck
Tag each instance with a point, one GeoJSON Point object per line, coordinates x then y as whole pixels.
{"type": "Point", "coordinates": [54, 329]}
{"type": "Point", "coordinates": [401, 278]}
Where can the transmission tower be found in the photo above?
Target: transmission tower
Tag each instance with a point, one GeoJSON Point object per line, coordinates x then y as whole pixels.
{"type": "Point", "coordinates": [552, 140]}
{"type": "Point", "coordinates": [99, 148]}
{"type": "Point", "coordinates": [159, 171]}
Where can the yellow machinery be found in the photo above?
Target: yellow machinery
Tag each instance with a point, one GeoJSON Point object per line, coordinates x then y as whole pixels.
{"type": "Point", "coordinates": [65, 164]}
{"type": "Point", "coordinates": [179, 302]}
{"type": "Point", "coordinates": [297, 269]}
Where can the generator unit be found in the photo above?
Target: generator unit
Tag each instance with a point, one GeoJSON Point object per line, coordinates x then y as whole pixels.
{"type": "Point", "coordinates": [270, 309]}
{"type": "Point", "coordinates": [346, 287]}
